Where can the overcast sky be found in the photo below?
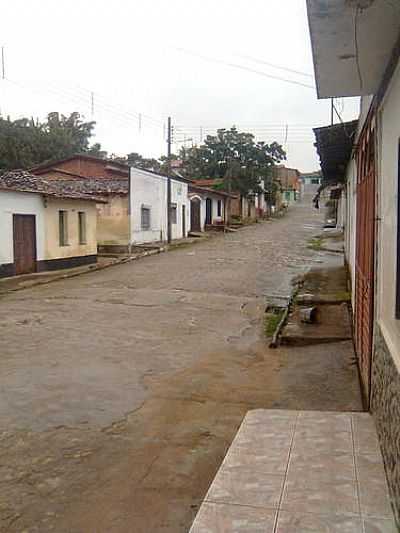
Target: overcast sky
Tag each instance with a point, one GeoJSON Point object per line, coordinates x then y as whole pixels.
{"type": "Point", "coordinates": [159, 58]}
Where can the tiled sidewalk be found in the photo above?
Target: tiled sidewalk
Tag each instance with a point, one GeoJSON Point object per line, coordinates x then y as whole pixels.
{"type": "Point", "coordinates": [300, 471]}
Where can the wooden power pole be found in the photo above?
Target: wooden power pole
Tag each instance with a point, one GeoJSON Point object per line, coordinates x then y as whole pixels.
{"type": "Point", "coordinates": [169, 144]}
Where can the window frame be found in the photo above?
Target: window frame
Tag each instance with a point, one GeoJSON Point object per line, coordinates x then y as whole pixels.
{"type": "Point", "coordinates": [82, 227]}
{"type": "Point", "coordinates": [63, 227]}
{"type": "Point", "coordinates": [145, 209]}
{"type": "Point", "coordinates": [174, 213]}
{"type": "Point", "coordinates": [219, 208]}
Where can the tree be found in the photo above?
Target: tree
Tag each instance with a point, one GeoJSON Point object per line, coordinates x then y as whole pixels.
{"type": "Point", "coordinates": [26, 142]}
{"type": "Point", "coordinates": [235, 158]}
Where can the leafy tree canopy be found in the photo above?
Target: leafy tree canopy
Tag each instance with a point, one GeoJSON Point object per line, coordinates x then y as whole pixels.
{"type": "Point", "coordinates": [236, 158]}
{"type": "Point", "coordinates": [26, 142]}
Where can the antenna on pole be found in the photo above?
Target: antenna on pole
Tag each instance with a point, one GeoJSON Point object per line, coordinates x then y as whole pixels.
{"type": "Point", "coordinates": [140, 122]}
{"type": "Point", "coordinates": [92, 103]}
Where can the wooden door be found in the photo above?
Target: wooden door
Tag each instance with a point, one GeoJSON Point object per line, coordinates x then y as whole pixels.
{"type": "Point", "coordinates": [365, 257]}
{"type": "Point", "coordinates": [24, 228]}
{"type": "Point", "coordinates": [184, 221]}
{"type": "Point", "coordinates": [195, 224]}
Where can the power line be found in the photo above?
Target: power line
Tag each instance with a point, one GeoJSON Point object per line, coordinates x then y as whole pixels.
{"type": "Point", "coordinates": [272, 65]}
{"type": "Point", "coordinates": [242, 67]}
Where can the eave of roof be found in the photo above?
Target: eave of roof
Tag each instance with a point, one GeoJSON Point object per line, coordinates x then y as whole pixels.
{"type": "Point", "coordinates": [334, 145]}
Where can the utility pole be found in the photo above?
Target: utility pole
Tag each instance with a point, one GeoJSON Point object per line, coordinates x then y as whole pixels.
{"type": "Point", "coordinates": [169, 143]}
{"type": "Point", "coordinates": [3, 69]}
{"type": "Point", "coordinates": [92, 103]}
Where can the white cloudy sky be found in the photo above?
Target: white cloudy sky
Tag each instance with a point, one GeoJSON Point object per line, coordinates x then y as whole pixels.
{"type": "Point", "coordinates": [158, 58]}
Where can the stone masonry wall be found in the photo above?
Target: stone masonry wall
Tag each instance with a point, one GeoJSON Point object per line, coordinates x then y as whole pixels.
{"type": "Point", "coordinates": [385, 407]}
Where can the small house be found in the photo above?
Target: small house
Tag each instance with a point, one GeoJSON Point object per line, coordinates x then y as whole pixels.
{"type": "Point", "coordinates": [150, 219]}
{"type": "Point", "coordinates": [207, 207]}
{"type": "Point", "coordinates": [44, 226]}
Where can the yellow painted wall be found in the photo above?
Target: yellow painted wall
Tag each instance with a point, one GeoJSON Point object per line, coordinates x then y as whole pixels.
{"type": "Point", "coordinates": [53, 250]}
{"type": "Point", "coordinates": [113, 221]}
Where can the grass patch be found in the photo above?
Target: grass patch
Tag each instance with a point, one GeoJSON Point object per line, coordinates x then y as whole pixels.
{"type": "Point", "coordinates": [315, 243]}
{"type": "Point", "coordinates": [272, 320]}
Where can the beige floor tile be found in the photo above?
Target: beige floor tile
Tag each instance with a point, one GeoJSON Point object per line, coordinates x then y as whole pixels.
{"type": "Point", "coordinates": [324, 467]}
{"type": "Point", "coordinates": [370, 468]}
{"type": "Point", "coordinates": [239, 485]}
{"type": "Point", "coordinates": [252, 439]}
{"type": "Point", "coordinates": [316, 496]}
{"type": "Point", "coordinates": [377, 525]}
{"type": "Point", "coordinates": [272, 461]}
{"type": "Point", "coordinates": [308, 523]}
{"type": "Point", "coordinates": [374, 499]}
{"type": "Point", "coordinates": [223, 518]}
{"type": "Point", "coordinates": [326, 443]}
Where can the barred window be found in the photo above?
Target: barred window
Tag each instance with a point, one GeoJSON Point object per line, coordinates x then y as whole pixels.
{"type": "Point", "coordinates": [145, 217]}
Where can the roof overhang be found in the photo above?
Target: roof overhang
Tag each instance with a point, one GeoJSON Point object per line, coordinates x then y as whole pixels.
{"type": "Point", "coordinates": [334, 146]}
{"type": "Point", "coordinates": [352, 43]}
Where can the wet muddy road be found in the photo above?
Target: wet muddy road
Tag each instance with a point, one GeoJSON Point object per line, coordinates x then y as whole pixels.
{"type": "Point", "coordinates": [122, 389]}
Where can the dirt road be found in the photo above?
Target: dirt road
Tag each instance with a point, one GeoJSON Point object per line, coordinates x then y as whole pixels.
{"type": "Point", "coordinates": [122, 389]}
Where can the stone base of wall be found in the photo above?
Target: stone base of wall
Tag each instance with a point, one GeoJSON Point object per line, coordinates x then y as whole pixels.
{"type": "Point", "coordinates": [7, 270]}
{"type": "Point", "coordinates": [385, 407]}
{"type": "Point", "coordinates": [65, 262]}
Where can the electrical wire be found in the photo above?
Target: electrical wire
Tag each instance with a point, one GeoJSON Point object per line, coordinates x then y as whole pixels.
{"type": "Point", "coordinates": [272, 65]}
{"type": "Point", "coordinates": [241, 67]}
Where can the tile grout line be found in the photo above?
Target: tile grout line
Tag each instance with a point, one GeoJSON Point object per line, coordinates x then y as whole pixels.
{"type": "Point", "coordinates": [286, 473]}
{"type": "Point", "coordinates": [356, 471]}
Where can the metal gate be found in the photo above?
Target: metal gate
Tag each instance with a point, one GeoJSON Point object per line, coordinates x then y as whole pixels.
{"type": "Point", "coordinates": [365, 256]}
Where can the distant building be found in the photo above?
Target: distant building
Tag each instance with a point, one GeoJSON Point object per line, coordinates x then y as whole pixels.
{"type": "Point", "coordinates": [310, 182]}
{"type": "Point", "coordinates": [290, 183]}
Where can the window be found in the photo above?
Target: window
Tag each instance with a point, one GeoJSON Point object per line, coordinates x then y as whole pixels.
{"type": "Point", "coordinates": [315, 181]}
{"type": "Point", "coordinates": [63, 228]}
{"type": "Point", "coordinates": [82, 227]}
{"type": "Point", "coordinates": [173, 213]}
{"type": "Point", "coordinates": [219, 208]}
{"type": "Point", "coordinates": [145, 217]}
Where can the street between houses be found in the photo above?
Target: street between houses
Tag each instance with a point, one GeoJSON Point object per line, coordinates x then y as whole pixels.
{"type": "Point", "coordinates": [122, 389]}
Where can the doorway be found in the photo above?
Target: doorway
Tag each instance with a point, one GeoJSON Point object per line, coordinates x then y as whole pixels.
{"type": "Point", "coordinates": [24, 231]}
{"type": "Point", "coordinates": [208, 211]}
{"type": "Point", "coordinates": [195, 224]}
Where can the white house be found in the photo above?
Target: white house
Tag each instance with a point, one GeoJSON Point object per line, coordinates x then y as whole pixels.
{"type": "Point", "coordinates": [148, 207]}
{"type": "Point", "coordinates": [44, 226]}
{"type": "Point", "coordinates": [356, 48]}
{"type": "Point", "coordinates": [207, 207]}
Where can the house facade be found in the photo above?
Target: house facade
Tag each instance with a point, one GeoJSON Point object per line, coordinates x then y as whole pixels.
{"type": "Point", "coordinates": [207, 207]}
{"type": "Point", "coordinates": [43, 226]}
{"type": "Point", "coordinates": [104, 178]}
{"type": "Point", "coordinates": [289, 179]}
{"type": "Point", "coordinates": [149, 207]}
{"type": "Point", "coordinates": [370, 196]}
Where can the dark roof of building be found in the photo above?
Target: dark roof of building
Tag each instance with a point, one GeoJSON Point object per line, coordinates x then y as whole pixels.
{"type": "Point", "coordinates": [22, 181]}
{"type": "Point", "coordinates": [197, 188]}
{"type": "Point", "coordinates": [334, 146]}
{"type": "Point", "coordinates": [53, 163]}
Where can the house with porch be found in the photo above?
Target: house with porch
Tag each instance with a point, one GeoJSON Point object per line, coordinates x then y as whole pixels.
{"type": "Point", "coordinates": [356, 50]}
{"type": "Point", "coordinates": [207, 207]}
{"type": "Point", "coordinates": [44, 226]}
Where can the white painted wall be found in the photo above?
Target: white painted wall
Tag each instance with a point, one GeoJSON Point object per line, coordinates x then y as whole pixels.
{"type": "Point", "coordinates": [20, 203]}
{"type": "Point", "coordinates": [150, 190]}
{"type": "Point", "coordinates": [214, 212]}
{"type": "Point", "coordinates": [388, 197]}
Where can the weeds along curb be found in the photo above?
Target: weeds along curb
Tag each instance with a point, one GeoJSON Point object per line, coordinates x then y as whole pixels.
{"type": "Point", "coordinates": [275, 337]}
